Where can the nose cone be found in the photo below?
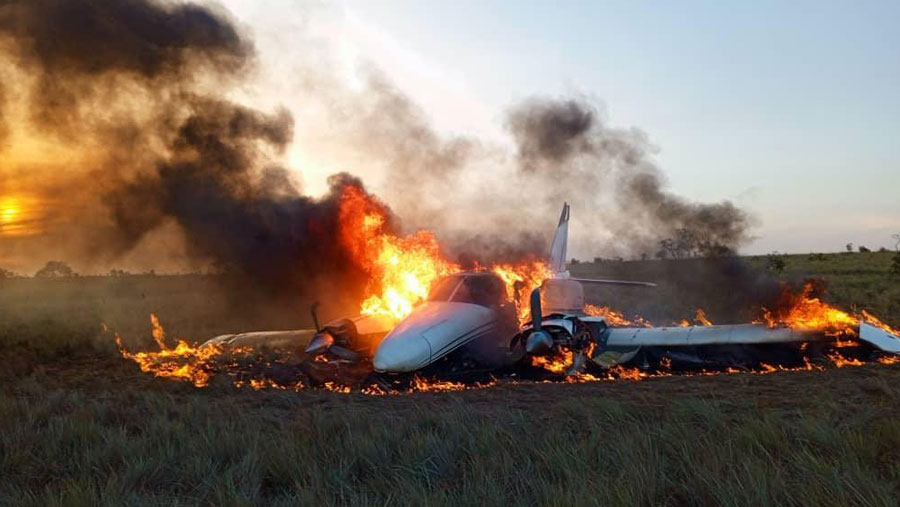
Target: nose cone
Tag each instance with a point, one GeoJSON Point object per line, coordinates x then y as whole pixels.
{"type": "Point", "coordinates": [429, 333]}
{"type": "Point", "coordinates": [402, 353]}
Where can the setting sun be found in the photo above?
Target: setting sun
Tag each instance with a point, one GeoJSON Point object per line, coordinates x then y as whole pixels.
{"type": "Point", "coordinates": [9, 210]}
{"type": "Point", "coordinates": [17, 215]}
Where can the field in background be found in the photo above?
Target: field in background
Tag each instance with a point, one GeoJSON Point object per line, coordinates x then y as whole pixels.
{"type": "Point", "coordinates": [81, 426]}
{"type": "Point", "coordinates": [853, 280]}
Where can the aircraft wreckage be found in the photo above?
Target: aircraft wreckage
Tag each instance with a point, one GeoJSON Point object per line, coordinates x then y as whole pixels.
{"type": "Point", "coordinates": [468, 321]}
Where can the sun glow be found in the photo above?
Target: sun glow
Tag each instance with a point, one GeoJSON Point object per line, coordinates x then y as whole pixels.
{"type": "Point", "coordinates": [13, 215]}
{"type": "Point", "coordinates": [9, 210]}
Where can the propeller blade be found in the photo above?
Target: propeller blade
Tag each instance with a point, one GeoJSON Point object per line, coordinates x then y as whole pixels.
{"type": "Point", "coordinates": [345, 354]}
{"type": "Point", "coordinates": [315, 315]}
{"type": "Point", "coordinates": [536, 316]}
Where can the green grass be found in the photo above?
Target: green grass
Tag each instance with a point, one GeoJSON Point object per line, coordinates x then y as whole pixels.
{"type": "Point", "coordinates": [79, 426]}
{"type": "Point", "coordinates": [814, 439]}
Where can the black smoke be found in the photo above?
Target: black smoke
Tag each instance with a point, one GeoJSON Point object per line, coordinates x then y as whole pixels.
{"type": "Point", "coordinates": [144, 85]}
{"type": "Point", "coordinates": [565, 143]}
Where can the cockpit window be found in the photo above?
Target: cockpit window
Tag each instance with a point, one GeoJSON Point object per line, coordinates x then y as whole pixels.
{"type": "Point", "coordinates": [481, 290]}
{"type": "Point", "coordinates": [444, 289]}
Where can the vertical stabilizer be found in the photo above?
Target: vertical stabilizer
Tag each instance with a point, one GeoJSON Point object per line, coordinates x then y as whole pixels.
{"type": "Point", "coordinates": [558, 246]}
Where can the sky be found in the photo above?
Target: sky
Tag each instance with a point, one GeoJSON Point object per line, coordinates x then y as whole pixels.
{"type": "Point", "coordinates": [789, 109]}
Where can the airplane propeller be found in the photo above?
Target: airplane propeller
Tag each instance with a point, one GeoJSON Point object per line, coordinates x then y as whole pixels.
{"type": "Point", "coordinates": [323, 340]}
{"type": "Point", "coordinates": [539, 340]}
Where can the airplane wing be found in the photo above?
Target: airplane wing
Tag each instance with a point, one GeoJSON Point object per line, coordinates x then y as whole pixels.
{"type": "Point", "coordinates": [879, 338]}
{"type": "Point", "coordinates": [704, 335]}
{"type": "Point", "coordinates": [737, 334]}
{"type": "Point", "coordinates": [271, 339]}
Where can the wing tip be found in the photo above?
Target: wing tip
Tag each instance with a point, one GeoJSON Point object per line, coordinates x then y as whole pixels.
{"type": "Point", "coordinates": [881, 338]}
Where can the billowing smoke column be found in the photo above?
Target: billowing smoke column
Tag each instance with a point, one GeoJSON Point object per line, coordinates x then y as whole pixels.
{"type": "Point", "coordinates": [143, 86]}
{"type": "Point", "coordinates": [149, 153]}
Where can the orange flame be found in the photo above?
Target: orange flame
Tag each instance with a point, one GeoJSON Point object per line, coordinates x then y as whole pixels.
{"type": "Point", "coordinates": [520, 280]}
{"type": "Point", "coordinates": [810, 313]}
{"type": "Point", "coordinates": [402, 269]}
{"type": "Point", "coordinates": [701, 318]}
{"type": "Point", "coordinates": [557, 363]}
{"type": "Point", "coordinates": [615, 318]}
{"type": "Point", "coordinates": [805, 312]}
{"type": "Point", "coordinates": [184, 362]}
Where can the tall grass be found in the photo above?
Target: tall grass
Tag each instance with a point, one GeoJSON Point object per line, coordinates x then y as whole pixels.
{"type": "Point", "coordinates": [119, 441]}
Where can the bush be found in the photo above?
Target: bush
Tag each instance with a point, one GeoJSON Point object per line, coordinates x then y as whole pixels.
{"type": "Point", "coordinates": [774, 263]}
{"type": "Point", "coordinates": [863, 249]}
{"type": "Point", "coordinates": [55, 269]}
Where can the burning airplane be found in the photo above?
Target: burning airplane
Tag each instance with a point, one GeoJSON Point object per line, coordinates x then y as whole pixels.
{"type": "Point", "coordinates": [431, 315]}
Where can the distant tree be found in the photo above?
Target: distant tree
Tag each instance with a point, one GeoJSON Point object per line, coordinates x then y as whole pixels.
{"type": "Point", "coordinates": [598, 260]}
{"type": "Point", "coordinates": [849, 247]}
{"type": "Point", "coordinates": [118, 272]}
{"type": "Point", "coordinates": [574, 261]}
{"type": "Point", "coordinates": [5, 273]}
{"type": "Point", "coordinates": [55, 269]}
{"type": "Point", "coordinates": [645, 256]}
{"type": "Point", "coordinates": [686, 243]}
{"type": "Point", "coordinates": [666, 249]}
{"type": "Point", "coordinates": [882, 250]}
{"type": "Point", "coordinates": [774, 263]}
{"type": "Point", "coordinates": [863, 249]}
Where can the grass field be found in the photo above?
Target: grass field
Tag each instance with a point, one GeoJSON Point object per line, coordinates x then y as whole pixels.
{"type": "Point", "coordinates": [80, 426]}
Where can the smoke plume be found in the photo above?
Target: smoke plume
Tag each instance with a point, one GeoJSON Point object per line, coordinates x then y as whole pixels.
{"type": "Point", "coordinates": [565, 144]}
{"type": "Point", "coordinates": [121, 120]}
{"type": "Point", "coordinates": [138, 91]}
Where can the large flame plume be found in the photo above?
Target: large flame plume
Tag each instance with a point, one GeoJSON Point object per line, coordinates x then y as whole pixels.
{"type": "Point", "coordinates": [402, 269]}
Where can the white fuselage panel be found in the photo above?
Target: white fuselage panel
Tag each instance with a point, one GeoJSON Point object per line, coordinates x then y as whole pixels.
{"type": "Point", "coordinates": [429, 333]}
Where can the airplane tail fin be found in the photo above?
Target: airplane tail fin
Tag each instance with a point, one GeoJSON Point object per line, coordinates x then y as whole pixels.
{"type": "Point", "coordinates": [560, 242]}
